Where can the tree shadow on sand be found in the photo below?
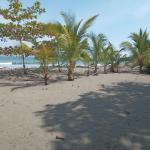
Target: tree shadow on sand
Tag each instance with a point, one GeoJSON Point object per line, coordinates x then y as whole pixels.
{"type": "Point", "coordinates": [114, 118]}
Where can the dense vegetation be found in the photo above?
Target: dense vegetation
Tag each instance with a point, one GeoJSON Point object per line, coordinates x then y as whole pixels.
{"type": "Point", "coordinates": [68, 42]}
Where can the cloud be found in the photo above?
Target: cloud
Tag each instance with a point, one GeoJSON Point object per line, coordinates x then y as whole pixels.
{"type": "Point", "coordinates": [2, 20]}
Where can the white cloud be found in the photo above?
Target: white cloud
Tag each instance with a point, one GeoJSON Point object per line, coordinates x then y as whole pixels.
{"type": "Point", "coordinates": [2, 20]}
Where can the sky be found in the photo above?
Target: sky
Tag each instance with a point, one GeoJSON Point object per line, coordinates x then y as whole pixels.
{"type": "Point", "coordinates": [117, 18]}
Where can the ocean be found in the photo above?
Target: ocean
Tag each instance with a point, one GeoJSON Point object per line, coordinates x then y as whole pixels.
{"type": "Point", "coordinates": [12, 62]}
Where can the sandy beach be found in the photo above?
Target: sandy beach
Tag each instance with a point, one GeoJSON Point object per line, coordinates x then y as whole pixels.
{"type": "Point", "coordinates": [104, 112]}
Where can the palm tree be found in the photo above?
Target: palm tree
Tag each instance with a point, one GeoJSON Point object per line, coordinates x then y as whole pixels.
{"type": "Point", "coordinates": [86, 58]}
{"type": "Point", "coordinates": [45, 54]}
{"type": "Point", "coordinates": [74, 35]}
{"type": "Point", "coordinates": [98, 44]}
{"type": "Point", "coordinates": [139, 48]}
{"type": "Point", "coordinates": [104, 57]}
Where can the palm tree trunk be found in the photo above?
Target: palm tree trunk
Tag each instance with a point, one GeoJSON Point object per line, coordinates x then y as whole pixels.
{"type": "Point", "coordinates": [112, 67]}
{"type": "Point", "coordinates": [71, 67]}
{"type": "Point", "coordinates": [95, 70]}
{"type": "Point", "coordinates": [140, 69]}
{"type": "Point", "coordinates": [117, 68]}
{"type": "Point", "coordinates": [46, 75]}
{"type": "Point", "coordinates": [23, 59]}
{"type": "Point", "coordinates": [88, 71]}
{"type": "Point", "coordinates": [105, 69]}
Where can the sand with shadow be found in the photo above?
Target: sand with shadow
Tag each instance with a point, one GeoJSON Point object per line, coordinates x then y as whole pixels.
{"type": "Point", "coordinates": [104, 112]}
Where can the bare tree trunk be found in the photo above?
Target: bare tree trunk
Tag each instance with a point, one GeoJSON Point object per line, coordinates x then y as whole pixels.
{"type": "Point", "coordinates": [24, 66]}
{"type": "Point", "coordinates": [59, 68]}
{"type": "Point", "coordinates": [23, 60]}
{"type": "Point", "coordinates": [71, 67]}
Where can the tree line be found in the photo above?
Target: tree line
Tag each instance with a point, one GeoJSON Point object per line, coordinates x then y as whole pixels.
{"type": "Point", "coordinates": [67, 42]}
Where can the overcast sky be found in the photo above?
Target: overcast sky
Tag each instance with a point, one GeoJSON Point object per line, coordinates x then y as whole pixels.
{"type": "Point", "coordinates": [117, 18]}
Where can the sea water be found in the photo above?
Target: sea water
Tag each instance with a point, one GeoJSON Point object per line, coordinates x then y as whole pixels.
{"type": "Point", "coordinates": [11, 62]}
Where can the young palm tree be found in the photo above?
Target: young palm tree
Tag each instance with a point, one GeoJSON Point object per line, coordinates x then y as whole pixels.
{"type": "Point", "coordinates": [139, 48]}
{"type": "Point", "coordinates": [109, 56]}
{"type": "Point", "coordinates": [98, 44]}
{"type": "Point", "coordinates": [86, 58]}
{"type": "Point", "coordinates": [74, 35]}
{"type": "Point", "coordinates": [104, 57]}
{"type": "Point", "coordinates": [45, 54]}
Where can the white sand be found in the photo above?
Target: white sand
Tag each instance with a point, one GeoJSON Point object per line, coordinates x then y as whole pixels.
{"type": "Point", "coordinates": [105, 112]}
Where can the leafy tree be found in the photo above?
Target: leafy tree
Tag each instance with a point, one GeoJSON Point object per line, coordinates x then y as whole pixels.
{"type": "Point", "coordinates": [139, 48]}
{"type": "Point", "coordinates": [20, 20]}
{"type": "Point", "coordinates": [74, 37]}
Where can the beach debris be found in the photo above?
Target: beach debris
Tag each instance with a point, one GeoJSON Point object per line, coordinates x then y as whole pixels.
{"type": "Point", "coordinates": [60, 138]}
{"type": "Point", "coordinates": [103, 85]}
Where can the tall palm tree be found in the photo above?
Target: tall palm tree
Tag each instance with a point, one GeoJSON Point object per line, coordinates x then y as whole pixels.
{"type": "Point", "coordinates": [98, 43]}
{"type": "Point", "coordinates": [139, 48]}
{"type": "Point", "coordinates": [74, 35]}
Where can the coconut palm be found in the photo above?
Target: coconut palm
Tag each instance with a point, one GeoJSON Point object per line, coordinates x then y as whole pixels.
{"type": "Point", "coordinates": [111, 55]}
{"type": "Point", "coordinates": [104, 57]}
{"type": "Point", "coordinates": [74, 35]}
{"type": "Point", "coordinates": [86, 58]}
{"type": "Point", "coordinates": [98, 44]}
{"type": "Point", "coordinates": [139, 48]}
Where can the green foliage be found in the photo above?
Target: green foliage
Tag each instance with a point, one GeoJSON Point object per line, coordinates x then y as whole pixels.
{"type": "Point", "coordinates": [21, 26]}
{"type": "Point", "coordinates": [74, 37]}
{"type": "Point", "coordinates": [22, 49]}
{"type": "Point", "coordinates": [139, 48]}
{"type": "Point", "coordinates": [98, 44]}
{"type": "Point", "coordinates": [44, 54]}
{"type": "Point", "coordinates": [85, 57]}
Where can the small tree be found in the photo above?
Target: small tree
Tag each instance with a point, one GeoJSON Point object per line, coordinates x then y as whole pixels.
{"type": "Point", "coordinates": [104, 57]}
{"type": "Point", "coordinates": [139, 48]}
{"type": "Point", "coordinates": [19, 18]}
{"type": "Point", "coordinates": [86, 58]}
{"type": "Point", "coordinates": [44, 54]}
{"type": "Point", "coordinates": [98, 44]}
